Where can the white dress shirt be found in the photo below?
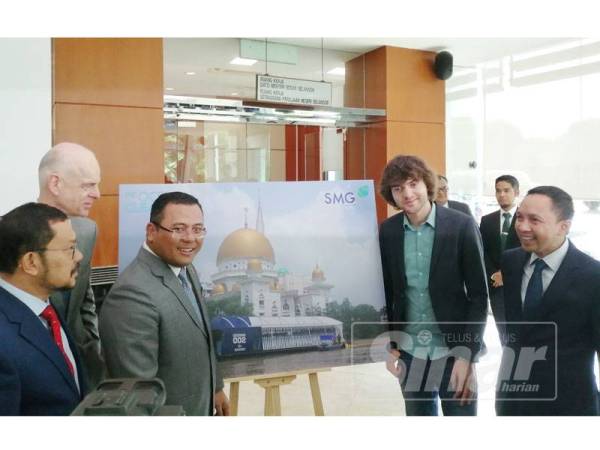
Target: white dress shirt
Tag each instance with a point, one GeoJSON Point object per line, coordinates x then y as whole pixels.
{"type": "Point", "coordinates": [175, 269]}
{"type": "Point", "coordinates": [553, 262]}
{"type": "Point", "coordinates": [37, 306]}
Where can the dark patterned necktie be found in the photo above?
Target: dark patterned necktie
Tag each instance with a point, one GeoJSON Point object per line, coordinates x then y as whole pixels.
{"type": "Point", "coordinates": [505, 229]}
{"type": "Point", "coordinates": [535, 288]}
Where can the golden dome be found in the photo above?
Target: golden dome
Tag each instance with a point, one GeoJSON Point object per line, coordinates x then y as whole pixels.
{"type": "Point", "coordinates": [317, 274]}
{"type": "Point", "coordinates": [245, 243]}
{"type": "Point", "coordinates": [255, 265]}
{"type": "Point", "coordinates": [218, 289]}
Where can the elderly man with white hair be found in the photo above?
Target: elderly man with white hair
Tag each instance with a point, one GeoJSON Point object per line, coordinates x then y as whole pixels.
{"type": "Point", "coordinates": [69, 178]}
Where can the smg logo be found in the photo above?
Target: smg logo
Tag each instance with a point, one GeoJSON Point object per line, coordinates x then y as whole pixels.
{"type": "Point", "coordinates": [345, 198]}
{"type": "Point", "coordinates": [339, 198]}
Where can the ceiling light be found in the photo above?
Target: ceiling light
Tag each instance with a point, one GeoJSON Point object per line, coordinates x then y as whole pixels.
{"type": "Point", "coordinates": [234, 93]}
{"type": "Point", "coordinates": [190, 73]}
{"type": "Point", "coordinates": [242, 61]}
{"type": "Point", "coordinates": [169, 89]}
{"type": "Point", "coordinates": [338, 71]}
{"type": "Point", "coordinates": [181, 108]}
{"type": "Point", "coordinates": [322, 121]}
{"type": "Point", "coordinates": [186, 124]}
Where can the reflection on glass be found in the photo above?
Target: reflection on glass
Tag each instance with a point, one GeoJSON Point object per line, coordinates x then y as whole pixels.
{"type": "Point", "coordinates": [534, 116]}
{"type": "Point", "coordinates": [197, 152]}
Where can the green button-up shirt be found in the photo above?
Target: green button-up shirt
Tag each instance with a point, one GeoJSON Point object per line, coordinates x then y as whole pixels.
{"type": "Point", "coordinates": [425, 334]}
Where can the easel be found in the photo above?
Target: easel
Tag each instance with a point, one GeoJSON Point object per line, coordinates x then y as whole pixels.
{"type": "Point", "coordinates": [270, 383]}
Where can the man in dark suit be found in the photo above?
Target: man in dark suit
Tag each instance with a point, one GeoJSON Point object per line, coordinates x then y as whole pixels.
{"type": "Point", "coordinates": [69, 176]}
{"type": "Point", "coordinates": [40, 373]}
{"type": "Point", "coordinates": [442, 197]}
{"type": "Point", "coordinates": [154, 322]}
{"type": "Point", "coordinates": [552, 305]}
{"type": "Point", "coordinates": [436, 292]}
{"type": "Point", "coordinates": [498, 234]}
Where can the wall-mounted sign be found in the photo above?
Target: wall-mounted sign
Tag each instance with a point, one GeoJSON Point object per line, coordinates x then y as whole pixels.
{"type": "Point", "coordinates": [291, 90]}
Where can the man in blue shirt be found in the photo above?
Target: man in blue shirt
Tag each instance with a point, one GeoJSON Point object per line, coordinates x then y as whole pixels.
{"type": "Point", "coordinates": [436, 292]}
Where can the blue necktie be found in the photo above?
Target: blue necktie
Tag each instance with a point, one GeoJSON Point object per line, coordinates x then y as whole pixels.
{"type": "Point", "coordinates": [189, 292]}
{"type": "Point", "coordinates": [535, 288]}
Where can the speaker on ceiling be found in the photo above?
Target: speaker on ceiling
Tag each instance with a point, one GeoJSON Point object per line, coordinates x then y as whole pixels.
{"type": "Point", "coordinates": [442, 65]}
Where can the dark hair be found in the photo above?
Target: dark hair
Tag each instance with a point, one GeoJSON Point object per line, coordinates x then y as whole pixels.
{"type": "Point", "coordinates": [508, 179]}
{"type": "Point", "coordinates": [176, 198]}
{"type": "Point", "coordinates": [400, 169]}
{"type": "Point", "coordinates": [562, 203]}
{"type": "Point", "coordinates": [26, 229]}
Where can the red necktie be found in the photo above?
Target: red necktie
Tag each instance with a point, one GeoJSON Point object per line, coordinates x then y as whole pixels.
{"type": "Point", "coordinates": [50, 315]}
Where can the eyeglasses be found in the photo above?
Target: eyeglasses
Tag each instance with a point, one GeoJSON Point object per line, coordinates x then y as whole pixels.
{"type": "Point", "coordinates": [198, 231]}
{"type": "Point", "coordinates": [73, 249]}
{"type": "Point", "coordinates": [443, 189]}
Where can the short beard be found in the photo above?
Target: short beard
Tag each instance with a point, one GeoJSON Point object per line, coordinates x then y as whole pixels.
{"type": "Point", "coordinates": [44, 278]}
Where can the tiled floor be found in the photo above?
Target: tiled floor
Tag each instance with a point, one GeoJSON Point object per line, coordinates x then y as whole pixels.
{"type": "Point", "coordinates": [364, 390]}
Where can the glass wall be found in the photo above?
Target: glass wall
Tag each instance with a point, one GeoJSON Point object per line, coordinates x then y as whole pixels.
{"type": "Point", "coordinates": [199, 151]}
{"type": "Point", "coordinates": [227, 151]}
{"type": "Point", "coordinates": [535, 116]}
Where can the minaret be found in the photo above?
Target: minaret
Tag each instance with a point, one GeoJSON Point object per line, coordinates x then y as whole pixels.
{"type": "Point", "coordinates": [260, 224]}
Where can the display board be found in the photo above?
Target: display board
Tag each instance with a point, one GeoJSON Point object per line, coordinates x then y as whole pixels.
{"type": "Point", "coordinates": [286, 269]}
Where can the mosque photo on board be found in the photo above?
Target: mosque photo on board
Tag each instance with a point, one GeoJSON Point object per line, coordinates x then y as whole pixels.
{"type": "Point", "coordinates": [290, 272]}
{"type": "Point", "coordinates": [283, 310]}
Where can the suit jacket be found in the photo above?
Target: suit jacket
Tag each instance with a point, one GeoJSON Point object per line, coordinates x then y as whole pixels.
{"type": "Point", "coordinates": [572, 302]}
{"type": "Point", "coordinates": [34, 377]}
{"type": "Point", "coordinates": [457, 281]}
{"type": "Point", "coordinates": [78, 306]}
{"type": "Point", "coordinates": [150, 329]}
{"type": "Point", "coordinates": [490, 235]}
{"type": "Point", "coordinates": [459, 206]}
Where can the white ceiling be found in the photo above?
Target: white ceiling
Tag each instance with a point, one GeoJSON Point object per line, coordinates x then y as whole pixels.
{"type": "Point", "coordinates": [466, 51]}
{"type": "Point", "coordinates": [209, 58]}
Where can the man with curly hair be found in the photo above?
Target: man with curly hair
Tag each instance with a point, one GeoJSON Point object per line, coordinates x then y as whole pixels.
{"type": "Point", "coordinates": [436, 292]}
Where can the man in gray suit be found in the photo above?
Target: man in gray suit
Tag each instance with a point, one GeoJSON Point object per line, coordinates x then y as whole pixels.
{"type": "Point", "coordinates": [69, 178]}
{"type": "Point", "coordinates": [442, 197]}
{"type": "Point", "coordinates": [154, 322]}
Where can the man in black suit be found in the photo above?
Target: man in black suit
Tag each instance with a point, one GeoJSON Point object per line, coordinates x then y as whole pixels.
{"type": "Point", "coordinates": [498, 234]}
{"type": "Point", "coordinates": [436, 292]}
{"type": "Point", "coordinates": [552, 304]}
{"type": "Point", "coordinates": [442, 197]}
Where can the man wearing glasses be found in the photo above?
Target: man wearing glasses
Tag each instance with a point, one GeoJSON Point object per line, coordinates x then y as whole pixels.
{"type": "Point", "coordinates": [442, 197]}
{"type": "Point", "coordinates": [40, 372]}
{"type": "Point", "coordinates": [154, 322]}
